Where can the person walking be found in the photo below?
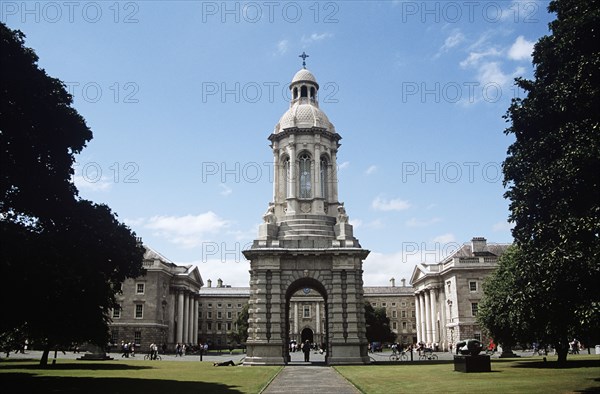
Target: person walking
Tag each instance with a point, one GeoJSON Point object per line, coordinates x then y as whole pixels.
{"type": "Point", "coordinates": [306, 350]}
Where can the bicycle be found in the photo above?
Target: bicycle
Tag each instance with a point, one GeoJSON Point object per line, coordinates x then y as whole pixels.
{"type": "Point", "coordinates": [398, 356]}
{"type": "Point", "coordinates": [148, 356]}
{"type": "Point", "coordinates": [428, 356]}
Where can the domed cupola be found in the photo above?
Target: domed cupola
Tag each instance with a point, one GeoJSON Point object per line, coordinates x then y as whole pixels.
{"type": "Point", "coordinates": [304, 112]}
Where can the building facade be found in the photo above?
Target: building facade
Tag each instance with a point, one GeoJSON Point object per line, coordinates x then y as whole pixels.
{"type": "Point", "coordinates": [160, 307]}
{"type": "Point", "coordinates": [447, 293]}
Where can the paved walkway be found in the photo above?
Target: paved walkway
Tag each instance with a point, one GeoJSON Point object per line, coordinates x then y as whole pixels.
{"type": "Point", "coordinates": [308, 379]}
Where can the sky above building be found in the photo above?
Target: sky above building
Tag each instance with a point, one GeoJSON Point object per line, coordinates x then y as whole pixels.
{"type": "Point", "coordinates": [182, 95]}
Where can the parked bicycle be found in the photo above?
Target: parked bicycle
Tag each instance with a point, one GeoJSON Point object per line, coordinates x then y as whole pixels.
{"type": "Point", "coordinates": [428, 356]}
{"type": "Point", "coordinates": [148, 356]}
{"type": "Point", "coordinates": [398, 356]}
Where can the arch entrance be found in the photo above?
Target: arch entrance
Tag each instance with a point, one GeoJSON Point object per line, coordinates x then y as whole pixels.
{"type": "Point", "coordinates": [307, 335]}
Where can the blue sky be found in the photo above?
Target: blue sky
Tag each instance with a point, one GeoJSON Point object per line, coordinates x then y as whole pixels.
{"type": "Point", "coordinates": [181, 97]}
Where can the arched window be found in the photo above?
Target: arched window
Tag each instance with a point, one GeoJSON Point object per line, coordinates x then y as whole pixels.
{"type": "Point", "coordinates": [305, 181]}
{"type": "Point", "coordinates": [324, 180]}
{"type": "Point", "coordinates": [313, 93]}
{"type": "Point", "coordinates": [295, 93]}
{"type": "Point", "coordinates": [287, 176]}
{"type": "Point", "coordinates": [303, 91]}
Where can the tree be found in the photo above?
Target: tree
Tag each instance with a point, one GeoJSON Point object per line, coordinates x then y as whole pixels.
{"type": "Point", "coordinates": [497, 312]}
{"type": "Point", "coordinates": [378, 325]}
{"type": "Point", "coordinates": [69, 255]}
{"type": "Point", "coordinates": [553, 180]}
{"type": "Point", "coordinates": [240, 334]}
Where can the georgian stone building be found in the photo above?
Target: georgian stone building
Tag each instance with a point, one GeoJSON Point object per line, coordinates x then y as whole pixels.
{"type": "Point", "coordinates": [447, 294]}
{"type": "Point", "coordinates": [159, 307]}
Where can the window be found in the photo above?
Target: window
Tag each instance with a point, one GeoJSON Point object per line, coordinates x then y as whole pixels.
{"type": "Point", "coordinates": [404, 325]}
{"type": "Point", "coordinates": [210, 305]}
{"type": "Point", "coordinates": [393, 304]}
{"type": "Point", "coordinates": [219, 326]}
{"type": "Point", "coordinates": [200, 305]}
{"type": "Point", "coordinates": [137, 338]}
{"type": "Point", "coordinates": [139, 311]}
{"type": "Point", "coordinates": [209, 315]}
{"type": "Point", "coordinates": [394, 325]}
{"type": "Point", "coordinates": [414, 326]}
{"type": "Point", "coordinates": [219, 315]}
{"type": "Point", "coordinates": [219, 305]}
{"type": "Point", "coordinates": [229, 314]}
{"type": "Point", "coordinates": [324, 185]}
{"type": "Point", "coordinates": [472, 285]}
{"type": "Point", "coordinates": [114, 336]}
{"type": "Point", "coordinates": [477, 336]}
{"type": "Point", "coordinates": [374, 304]}
{"type": "Point", "coordinates": [306, 311]}
{"type": "Point", "coordinates": [403, 313]}
{"type": "Point", "coordinates": [394, 314]}
{"type": "Point", "coordinates": [239, 305]}
{"type": "Point", "coordinates": [384, 304]}
{"type": "Point", "coordinates": [305, 181]}
{"type": "Point", "coordinates": [209, 326]}
{"type": "Point", "coordinates": [229, 326]}
{"type": "Point", "coordinates": [474, 307]}
{"type": "Point", "coordinates": [403, 304]}
{"type": "Point", "coordinates": [117, 312]}
{"type": "Point", "coordinates": [139, 288]}
{"type": "Point", "coordinates": [229, 305]}
{"type": "Point", "coordinates": [414, 314]}
{"type": "Point", "coordinates": [412, 304]}
{"type": "Point", "coordinates": [199, 314]}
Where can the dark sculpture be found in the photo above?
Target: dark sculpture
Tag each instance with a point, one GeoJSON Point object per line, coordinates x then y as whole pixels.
{"type": "Point", "coordinates": [470, 347]}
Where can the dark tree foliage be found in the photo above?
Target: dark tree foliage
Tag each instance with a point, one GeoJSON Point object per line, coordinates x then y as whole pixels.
{"type": "Point", "coordinates": [62, 258]}
{"type": "Point", "coordinates": [240, 335]}
{"type": "Point", "coordinates": [497, 313]}
{"type": "Point", "coordinates": [378, 325]}
{"type": "Point", "coordinates": [553, 179]}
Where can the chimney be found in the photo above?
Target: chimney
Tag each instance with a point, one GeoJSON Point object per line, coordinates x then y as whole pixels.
{"type": "Point", "coordinates": [403, 282]}
{"type": "Point", "coordinates": [219, 282]}
{"type": "Point", "coordinates": [393, 282]}
{"type": "Point", "coordinates": [209, 283]}
{"type": "Point", "coordinates": [478, 245]}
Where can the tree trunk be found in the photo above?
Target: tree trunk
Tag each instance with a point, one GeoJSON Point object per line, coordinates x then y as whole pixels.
{"type": "Point", "coordinates": [44, 359]}
{"type": "Point", "coordinates": [562, 350]}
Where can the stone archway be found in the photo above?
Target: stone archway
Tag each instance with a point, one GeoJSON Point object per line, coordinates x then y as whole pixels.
{"type": "Point", "coordinates": [307, 335]}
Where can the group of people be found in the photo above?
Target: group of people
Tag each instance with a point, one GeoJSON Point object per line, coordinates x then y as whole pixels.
{"type": "Point", "coordinates": [127, 349]}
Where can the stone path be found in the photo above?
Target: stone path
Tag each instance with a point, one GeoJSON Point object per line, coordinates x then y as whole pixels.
{"type": "Point", "coordinates": [308, 379]}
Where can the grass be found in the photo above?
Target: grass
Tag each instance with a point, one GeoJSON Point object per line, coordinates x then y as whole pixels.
{"type": "Point", "coordinates": [148, 377]}
{"type": "Point", "coordinates": [582, 374]}
{"type": "Point", "coordinates": [174, 377]}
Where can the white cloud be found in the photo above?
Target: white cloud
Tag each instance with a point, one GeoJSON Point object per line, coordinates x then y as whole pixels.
{"type": "Point", "coordinates": [315, 37]}
{"type": "Point", "coordinates": [188, 231]}
{"type": "Point", "coordinates": [92, 183]}
{"type": "Point", "coordinates": [371, 170]}
{"type": "Point", "coordinates": [445, 238]}
{"type": "Point", "coordinates": [414, 222]}
{"type": "Point", "coordinates": [379, 268]}
{"type": "Point", "coordinates": [381, 204]}
{"type": "Point", "coordinates": [282, 47]}
{"type": "Point", "coordinates": [521, 49]}
{"type": "Point", "coordinates": [225, 190]}
{"type": "Point", "coordinates": [503, 226]}
{"type": "Point", "coordinates": [491, 73]}
{"type": "Point", "coordinates": [453, 40]}
{"type": "Point", "coordinates": [345, 164]}
{"type": "Point", "coordinates": [475, 58]}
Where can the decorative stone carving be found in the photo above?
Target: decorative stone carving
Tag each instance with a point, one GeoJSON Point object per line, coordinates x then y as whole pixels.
{"type": "Point", "coordinates": [342, 217]}
{"type": "Point", "coordinates": [269, 216]}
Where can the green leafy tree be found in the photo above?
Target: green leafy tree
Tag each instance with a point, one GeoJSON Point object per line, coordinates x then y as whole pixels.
{"type": "Point", "coordinates": [553, 180]}
{"type": "Point", "coordinates": [497, 312]}
{"type": "Point", "coordinates": [240, 334]}
{"type": "Point", "coordinates": [69, 255]}
{"type": "Point", "coordinates": [378, 325]}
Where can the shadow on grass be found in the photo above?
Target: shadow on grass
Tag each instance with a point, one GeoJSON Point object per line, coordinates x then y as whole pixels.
{"type": "Point", "coordinates": [87, 366]}
{"type": "Point", "coordinates": [554, 364]}
{"type": "Point", "coordinates": [27, 383]}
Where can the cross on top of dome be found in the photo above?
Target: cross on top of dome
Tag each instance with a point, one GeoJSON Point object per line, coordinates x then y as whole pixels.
{"type": "Point", "coordinates": [303, 56]}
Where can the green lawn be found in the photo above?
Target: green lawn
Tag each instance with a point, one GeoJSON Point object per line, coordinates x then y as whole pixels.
{"type": "Point", "coordinates": [508, 376]}
{"type": "Point", "coordinates": [129, 377]}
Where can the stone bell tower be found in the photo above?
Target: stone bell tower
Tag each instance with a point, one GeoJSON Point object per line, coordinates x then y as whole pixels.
{"type": "Point", "coordinates": [306, 240]}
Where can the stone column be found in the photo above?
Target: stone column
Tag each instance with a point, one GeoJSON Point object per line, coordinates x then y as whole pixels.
{"type": "Point", "coordinates": [317, 171]}
{"type": "Point", "coordinates": [276, 184]}
{"type": "Point", "coordinates": [195, 331]}
{"type": "Point", "coordinates": [180, 301]}
{"type": "Point", "coordinates": [433, 310]}
{"type": "Point", "coordinates": [318, 313]}
{"type": "Point", "coordinates": [422, 316]}
{"type": "Point", "coordinates": [293, 175]}
{"type": "Point", "coordinates": [295, 318]}
{"type": "Point", "coordinates": [418, 315]}
{"type": "Point", "coordinates": [190, 335]}
{"type": "Point", "coordinates": [186, 318]}
{"type": "Point", "coordinates": [333, 181]}
{"type": "Point", "coordinates": [427, 316]}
